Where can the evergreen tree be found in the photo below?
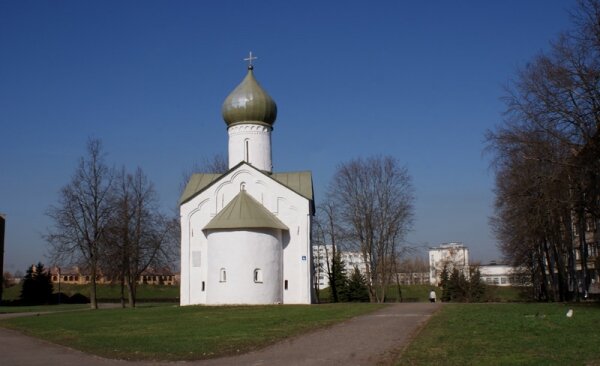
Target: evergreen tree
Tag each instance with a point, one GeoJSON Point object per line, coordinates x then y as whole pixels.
{"type": "Point", "coordinates": [462, 287]}
{"type": "Point", "coordinates": [338, 280]}
{"type": "Point", "coordinates": [28, 288]}
{"type": "Point", "coordinates": [476, 285]}
{"type": "Point", "coordinates": [357, 287]}
{"type": "Point", "coordinates": [457, 286]}
{"type": "Point", "coordinates": [453, 287]}
{"type": "Point", "coordinates": [37, 286]}
{"type": "Point", "coordinates": [445, 283]}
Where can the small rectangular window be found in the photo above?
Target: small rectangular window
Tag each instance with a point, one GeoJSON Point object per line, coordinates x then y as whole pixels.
{"type": "Point", "coordinates": [203, 286]}
{"type": "Point", "coordinates": [285, 284]}
{"type": "Point", "coordinates": [258, 275]}
{"type": "Point", "coordinates": [223, 275]}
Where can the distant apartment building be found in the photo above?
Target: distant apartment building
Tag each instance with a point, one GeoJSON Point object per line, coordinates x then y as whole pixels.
{"type": "Point", "coordinates": [450, 255]}
{"type": "Point", "coordinates": [592, 240]}
{"type": "Point", "coordinates": [413, 278]}
{"type": "Point", "coordinates": [354, 259]}
{"type": "Point", "coordinates": [78, 276]}
{"type": "Point", "coordinates": [322, 254]}
{"type": "Point", "coordinates": [500, 275]}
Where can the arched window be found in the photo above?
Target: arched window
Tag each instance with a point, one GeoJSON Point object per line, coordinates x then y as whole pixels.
{"type": "Point", "coordinates": [223, 275]}
{"type": "Point", "coordinates": [247, 150]}
{"type": "Point", "coordinates": [258, 278]}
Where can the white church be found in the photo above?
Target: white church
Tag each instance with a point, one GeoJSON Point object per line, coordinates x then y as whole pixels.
{"type": "Point", "coordinates": [246, 234]}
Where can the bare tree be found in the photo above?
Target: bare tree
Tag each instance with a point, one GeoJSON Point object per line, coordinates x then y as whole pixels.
{"type": "Point", "coordinates": [217, 164]}
{"type": "Point", "coordinates": [82, 215]}
{"type": "Point", "coordinates": [409, 267]}
{"type": "Point", "coordinates": [140, 237]}
{"type": "Point", "coordinates": [328, 234]}
{"type": "Point", "coordinates": [374, 197]}
{"type": "Point", "coordinates": [534, 210]}
{"type": "Point", "coordinates": [546, 160]}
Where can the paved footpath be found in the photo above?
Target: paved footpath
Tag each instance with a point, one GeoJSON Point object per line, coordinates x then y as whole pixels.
{"type": "Point", "coordinates": [365, 340]}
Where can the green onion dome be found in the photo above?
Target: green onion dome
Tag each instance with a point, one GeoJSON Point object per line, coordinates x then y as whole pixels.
{"type": "Point", "coordinates": [249, 103]}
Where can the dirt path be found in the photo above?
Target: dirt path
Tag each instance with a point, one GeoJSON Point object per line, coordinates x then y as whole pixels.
{"type": "Point", "coordinates": [364, 340]}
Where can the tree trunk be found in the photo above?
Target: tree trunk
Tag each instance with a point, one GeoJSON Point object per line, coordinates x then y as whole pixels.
{"type": "Point", "coordinates": [543, 279]}
{"type": "Point", "coordinates": [122, 281]}
{"type": "Point", "coordinates": [583, 252]}
{"type": "Point", "coordinates": [131, 287]}
{"type": "Point", "coordinates": [551, 272]}
{"type": "Point", "coordinates": [93, 300]}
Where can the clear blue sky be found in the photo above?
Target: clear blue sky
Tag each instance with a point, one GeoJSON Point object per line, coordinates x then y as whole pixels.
{"type": "Point", "coordinates": [421, 81]}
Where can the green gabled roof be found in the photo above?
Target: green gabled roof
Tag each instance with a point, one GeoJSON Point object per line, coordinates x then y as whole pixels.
{"type": "Point", "coordinates": [196, 184]}
{"type": "Point", "coordinates": [299, 182]}
{"type": "Point", "coordinates": [244, 212]}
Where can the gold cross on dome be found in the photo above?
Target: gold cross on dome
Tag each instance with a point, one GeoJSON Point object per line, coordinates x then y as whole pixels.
{"type": "Point", "coordinates": [250, 59]}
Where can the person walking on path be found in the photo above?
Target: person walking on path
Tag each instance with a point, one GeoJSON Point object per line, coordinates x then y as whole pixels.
{"type": "Point", "coordinates": [432, 296]}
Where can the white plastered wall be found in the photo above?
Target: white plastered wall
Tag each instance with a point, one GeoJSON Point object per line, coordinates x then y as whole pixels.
{"type": "Point", "coordinates": [254, 250]}
{"type": "Point", "coordinates": [250, 143]}
{"type": "Point", "coordinates": [291, 208]}
{"type": "Point", "coordinates": [453, 255]}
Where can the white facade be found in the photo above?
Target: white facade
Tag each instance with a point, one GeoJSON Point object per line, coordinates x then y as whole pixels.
{"type": "Point", "coordinates": [323, 254]}
{"type": "Point", "coordinates": [250, 143]}
{"type": "Point", "coordinates": [451, 255]}
{"type": "Point", "coordinates": [202, 259]}
{"type": "Point", "coordinates": [252, 276]}
{"type": "Point", "coordinates": [246, 234]}
{"type": "Point", "coordinates": [498, 274]}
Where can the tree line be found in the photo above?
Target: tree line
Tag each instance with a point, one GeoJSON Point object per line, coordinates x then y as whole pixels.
{"type": "Point", "coordinates": [458, 287]}
{"type": "Point", "coordinates": [346, 287]}
{"type": "Point", "coordinates": [369, 209]}
{"type": "Point", "coordinates": [108, 222]}
{"type": "Point", "coordinates": [546, 156]}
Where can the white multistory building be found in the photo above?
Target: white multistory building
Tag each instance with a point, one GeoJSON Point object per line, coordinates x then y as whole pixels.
{"type": "Point", "coordinates": [246, 233]}
{"type": "Point", "coordinates": [500, 275]}
{"type": "Point", "coordinates": [450, 255]}
{"type": "Point", "coordinates": [323, 256]}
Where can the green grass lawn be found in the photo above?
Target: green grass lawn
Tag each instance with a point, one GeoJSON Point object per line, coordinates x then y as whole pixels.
{"type": "Point", "coordinates": [42, 308]}
{"type": "Point", "coordinates": [181, 333]}
{"type": "Point", "coordinates": [153, 293]}
{"type": "Point", "coordinates": [420, 293]}
{"type": "Point", "coordinates": [508, 334]}
{"type": "Point", "coordinates": [108, 293]}
{"type": "Point", "coordinates": [410, 293]}
{"type": "Point", "coordinates": [11, 293]}
{"type": "Point", "coordinates": [144, 292]}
